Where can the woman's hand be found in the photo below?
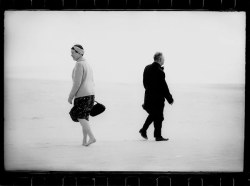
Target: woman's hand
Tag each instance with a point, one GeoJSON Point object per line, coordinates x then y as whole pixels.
{"type": "Point", "coordinates": [70, 100]}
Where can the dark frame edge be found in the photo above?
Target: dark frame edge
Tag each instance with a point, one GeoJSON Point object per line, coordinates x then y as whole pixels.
{"type": "Point", "coordinates": [4, 174]}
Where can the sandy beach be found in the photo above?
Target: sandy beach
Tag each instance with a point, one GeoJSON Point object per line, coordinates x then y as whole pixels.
{"type": "Point", "coordinates": [205, 127]}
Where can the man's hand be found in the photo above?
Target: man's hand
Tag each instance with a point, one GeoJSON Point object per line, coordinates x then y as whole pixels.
{"type": "Point", "coordinates": [171, 101]}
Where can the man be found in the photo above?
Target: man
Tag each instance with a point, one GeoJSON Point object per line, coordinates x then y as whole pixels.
{"type": "Point", "coordinates": [156, 91]}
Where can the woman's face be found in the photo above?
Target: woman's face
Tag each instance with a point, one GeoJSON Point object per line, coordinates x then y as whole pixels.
{"type": "Point", "coordinates": [75, 55]}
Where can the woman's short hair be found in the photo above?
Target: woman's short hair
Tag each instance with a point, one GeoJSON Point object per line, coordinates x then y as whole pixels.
{"type": "Point", "coordinates": [157, 56]}
{"type": "Point", "coordinates": [79, 46]}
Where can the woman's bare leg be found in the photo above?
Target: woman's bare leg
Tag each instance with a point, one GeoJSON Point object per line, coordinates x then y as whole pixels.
{"type": "Point", "coordinates": [86, 127]}
{"type": "Point", "coordinates": [84, 132]}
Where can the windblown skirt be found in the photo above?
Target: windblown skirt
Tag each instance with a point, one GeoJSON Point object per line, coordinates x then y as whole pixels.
{"type": "Point", "coordinates": [82, 107]}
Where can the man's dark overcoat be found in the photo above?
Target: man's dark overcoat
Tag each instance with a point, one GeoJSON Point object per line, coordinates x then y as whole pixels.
{"type": "Point", "coordinates": [156, 89]}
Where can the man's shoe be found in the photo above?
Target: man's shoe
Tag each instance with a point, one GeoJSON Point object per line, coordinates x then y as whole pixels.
{"type": "Point", "coordinates": [161, 139]}
{"type": "Point", "coordinates": [143, 134]}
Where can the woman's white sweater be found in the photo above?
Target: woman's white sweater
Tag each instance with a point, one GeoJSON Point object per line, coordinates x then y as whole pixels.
{"type": "Point", "coordinates": [83, 81]}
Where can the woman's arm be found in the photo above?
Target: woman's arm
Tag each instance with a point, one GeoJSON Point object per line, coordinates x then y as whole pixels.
{"type": "Point", "coordinates": [77, 79]}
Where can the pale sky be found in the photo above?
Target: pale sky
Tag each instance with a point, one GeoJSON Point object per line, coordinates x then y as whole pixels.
{"type": "Point", "coordinates": [199, 47]}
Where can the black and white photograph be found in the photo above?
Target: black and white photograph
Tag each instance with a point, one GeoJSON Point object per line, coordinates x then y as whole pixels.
{"type": "Point", "coordinates": [124, 91]}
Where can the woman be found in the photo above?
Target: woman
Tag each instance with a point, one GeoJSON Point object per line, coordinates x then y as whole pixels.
{"type": "Point", "coordinates": [82, 92]}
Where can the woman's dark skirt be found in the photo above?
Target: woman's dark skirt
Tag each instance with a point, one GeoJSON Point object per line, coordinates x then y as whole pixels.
{"type": "Point", "coordinates": [82, 107]}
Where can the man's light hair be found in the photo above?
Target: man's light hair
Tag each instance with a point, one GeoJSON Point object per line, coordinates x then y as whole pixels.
{"type": "Point", "coordinates": [157, 56]}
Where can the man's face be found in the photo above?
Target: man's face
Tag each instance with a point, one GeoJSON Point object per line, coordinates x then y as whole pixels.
{"type": "Point", "coordinates": [75, 55]}
{"type": "Point", "coordinates": [161, 60]}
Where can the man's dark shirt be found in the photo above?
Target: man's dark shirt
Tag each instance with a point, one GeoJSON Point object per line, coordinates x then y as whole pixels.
{"type": "Point", "coordinates": [156, 88]}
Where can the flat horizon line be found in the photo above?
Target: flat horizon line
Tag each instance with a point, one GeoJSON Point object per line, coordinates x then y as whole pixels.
{"type": "Point", "coordinates": [130, 82]}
